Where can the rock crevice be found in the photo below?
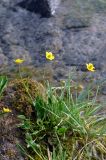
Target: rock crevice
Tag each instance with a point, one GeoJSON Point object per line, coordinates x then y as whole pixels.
{"type": "Point", "coordinates": [46, 8]}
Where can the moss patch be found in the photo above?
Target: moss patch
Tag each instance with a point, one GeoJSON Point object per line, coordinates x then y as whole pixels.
{"type": "Point", "coordinates": [21, 93]}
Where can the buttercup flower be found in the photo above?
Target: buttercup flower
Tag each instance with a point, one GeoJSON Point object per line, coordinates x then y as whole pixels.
{"type": "Point", "coordinates": [81, 86]}
{"type": "Point", "coordinates": [19, 61]}
{"type": "Point", "coordinates": [90, 67]}
{"type": "Point", "coordinates": [50, 56]}
{"type": "Point", "coordinates": [6, 110]}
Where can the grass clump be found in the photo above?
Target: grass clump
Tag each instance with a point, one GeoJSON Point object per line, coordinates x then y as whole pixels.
{"type": "Point", "coordinates": [67, 127]}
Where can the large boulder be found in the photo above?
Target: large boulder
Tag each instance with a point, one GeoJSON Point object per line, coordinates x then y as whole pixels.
{"type": "Point", "coordinates": [75, 34]}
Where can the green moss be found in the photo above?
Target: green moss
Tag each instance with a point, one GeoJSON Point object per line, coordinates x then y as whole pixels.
{"type": "Point", "coordinates": [11, 153]}
{"type": "Point", "coordinates": [21, 92]}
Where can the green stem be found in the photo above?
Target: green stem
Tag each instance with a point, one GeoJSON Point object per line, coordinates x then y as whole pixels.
{"type": "Point", "coordinates": [26, 88]}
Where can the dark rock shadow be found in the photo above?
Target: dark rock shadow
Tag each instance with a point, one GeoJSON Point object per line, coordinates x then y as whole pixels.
{"type": "Point", "coordinates": [37, 6]}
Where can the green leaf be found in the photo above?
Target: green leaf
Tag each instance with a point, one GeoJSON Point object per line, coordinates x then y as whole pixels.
{"type": "Point", "coordinates": [22, 117]}
{"type": "Point", "coordinates": [61, 130]}
{"type": "Point", "coordinates": [3, 83]}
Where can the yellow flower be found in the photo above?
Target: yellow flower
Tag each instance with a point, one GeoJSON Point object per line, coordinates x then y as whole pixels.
{"type": "Point", "coordinates": [6, 110]}
{"type": "Point", "coordinates": [81, 86]}
{"type": "Point", "coordinates": [19, 61]}
{"type": "Point", "coordinates": [90, 67]}
{"type": "Point", "coordinates": [50, 56]}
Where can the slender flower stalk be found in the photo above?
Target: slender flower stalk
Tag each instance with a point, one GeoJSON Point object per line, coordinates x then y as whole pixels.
{"type": "Point", "coordinates": [19, 61]}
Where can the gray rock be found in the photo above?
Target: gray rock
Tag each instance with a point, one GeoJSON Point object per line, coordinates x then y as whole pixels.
{"type": "Point", "coordinates": [103, 91]}
{"type": "Point", "coordinates": [75, 23]}
{"type": "Point", "coordinates": [74, 35]}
